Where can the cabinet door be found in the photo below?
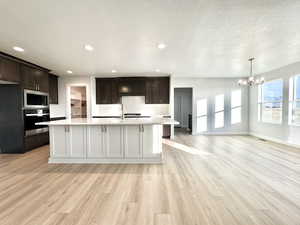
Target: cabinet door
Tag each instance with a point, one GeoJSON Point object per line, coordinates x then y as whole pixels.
{"type": "Point", "coordinates": [157, 90]}
{"type": "Point", "coordinates": [152, 141]}
{"type": "Point", "coordinates": [132, 141]}
{"type": "Point", "coordinates": [103, 91]}
{"type": "Point", "coordinates": [53, 89]}
{"type": "Point", "coordinates": [113, 141]}
{"type": "Point", "coordinates": [42, 80]}
{"type": "Point", "coordinates": [28, 78]}
{"type": "Point", "coordinates": [115, 97]}
{"type": "Point", "coordinates": [95, 142]}
{"type": "Point", "coordinates": [59, 140]}
{"type": "Point", "coordinates": [166, 131]}
{"type": "Point", "coordinates": [164, 90]}
{"type": "Point", "coordinates": [77, 141]}
{"type": "Point", "coordinates": [148, 93]}
{"type": "Point", "coordinates": [9, 70]}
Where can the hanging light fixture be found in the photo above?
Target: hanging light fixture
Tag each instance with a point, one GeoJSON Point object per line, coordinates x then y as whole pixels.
{"type": "Point", "coordinates": [251, 79]}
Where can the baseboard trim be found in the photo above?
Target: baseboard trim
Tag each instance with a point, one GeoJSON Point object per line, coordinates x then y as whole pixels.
{"type": "Point", "coordinates": [105, 161]}
{"type": "Point", "coordinates": [223, 133]}
{"type": "Point", "coordinates": [276, 140]}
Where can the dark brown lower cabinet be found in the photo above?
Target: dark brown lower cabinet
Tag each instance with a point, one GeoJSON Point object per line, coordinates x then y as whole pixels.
{"type": "Point", "coordinates": [35, 141]}
{"type": "Point", "coordinates": [166, 131]}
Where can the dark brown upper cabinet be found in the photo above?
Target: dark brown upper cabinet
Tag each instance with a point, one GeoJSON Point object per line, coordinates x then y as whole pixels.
{"type": "Point", "coordinates": [34, 79]}
{"type": "Point", "coordinates": [107, 91]}
{"type": "Point", "coordinates": [9, 70]}
{"type": "Point", "coordinates": [157, 90]}
{"type": "Point", "coordinates": [53, 89]}
{"type": "Point", "coordinates": [132, 86]}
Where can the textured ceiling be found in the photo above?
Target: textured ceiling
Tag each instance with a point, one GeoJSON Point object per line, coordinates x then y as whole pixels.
{"type": "Point", "coordinates": [211, 38]}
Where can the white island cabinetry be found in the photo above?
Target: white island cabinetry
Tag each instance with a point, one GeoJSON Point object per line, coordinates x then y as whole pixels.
{"type": "Point", "coordinates": [105, 143]}
{"type": "Point", "coordinates": [67, 141]}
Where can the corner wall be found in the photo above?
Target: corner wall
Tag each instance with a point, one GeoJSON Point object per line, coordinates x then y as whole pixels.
{"type": "Point", "coordinates": [208, 88]}
{"type": "Point", "coordinates": [282, 133]}
{"type": "Point", "coordinates": [61, 109]}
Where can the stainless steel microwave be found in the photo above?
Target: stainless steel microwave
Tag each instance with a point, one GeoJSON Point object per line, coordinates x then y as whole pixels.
{"type": "Point", "coordinates": [35, 99]}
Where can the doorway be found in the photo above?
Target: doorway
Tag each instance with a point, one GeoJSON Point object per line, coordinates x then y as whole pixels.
{"type": "Point", "coordinates": [78, 102]}
{"type": "Point", "coordinates": [183, 109]}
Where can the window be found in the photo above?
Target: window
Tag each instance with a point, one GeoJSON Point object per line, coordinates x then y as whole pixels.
{"type": "Point", "coordinates": [294, 97]}
{"type": "Point", "coordinates": [270, 101]}
{"type": "Point", "coordinates": [236, 106]}
{"type": "Point", "coordinates": [219, 111]}
{"type": "Point", "coordinates": [201, 115]}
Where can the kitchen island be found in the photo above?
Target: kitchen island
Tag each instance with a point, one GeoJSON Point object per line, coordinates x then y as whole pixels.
{"type": "Point", "coordinates": [107, 140]}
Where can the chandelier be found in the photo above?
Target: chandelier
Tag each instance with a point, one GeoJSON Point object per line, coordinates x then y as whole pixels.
{"type": "Point", "coordinates": [251, 79]}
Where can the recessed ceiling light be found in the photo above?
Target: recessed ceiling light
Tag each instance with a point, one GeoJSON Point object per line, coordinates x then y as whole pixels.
{"type": "Point", "coordinates": [18, 49]}
{"type": "Point", "coordinates": [161, 45]}
{"type": "Point", "coordinates": [113, 71]}
{"type": "Point", "coordinates": [157, 70]}
{"type": "Point", "coordinates": [69, 71]}
{"type": "Point", "coordinates": [89, 48]}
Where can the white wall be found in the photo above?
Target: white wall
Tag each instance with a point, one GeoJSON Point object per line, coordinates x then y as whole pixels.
{"type": "Point", "coordinates": [277, 132]}
{"type": "Point", "coordinates": [183, 104]}
{"type": "Point", "coordinates": [64, 83]}
{"type": "Point", "coordinates": [209, 88]}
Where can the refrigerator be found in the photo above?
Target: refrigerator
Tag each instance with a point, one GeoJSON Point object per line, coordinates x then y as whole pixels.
{"type": "Point", "coordinates": [11, 119]}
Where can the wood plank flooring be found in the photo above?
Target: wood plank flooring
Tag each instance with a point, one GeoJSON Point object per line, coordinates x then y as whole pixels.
{"type": "Point", "coordinates": [206, 180]}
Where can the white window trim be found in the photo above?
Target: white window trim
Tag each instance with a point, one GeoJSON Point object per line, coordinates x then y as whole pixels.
{"type": "Point", "coordinates": [203, 115]}
{"type": "Point", "coordinates": [260, 103]}
{"type": "Point", "coordinates": [219, 111]}
{"type": "Point", "coordinates": [292, 100]}
{"type": "Point", "coordinates": [235, 107]}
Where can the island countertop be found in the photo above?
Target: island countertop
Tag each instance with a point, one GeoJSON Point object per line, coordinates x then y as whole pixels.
{"type": "Point", "coordinates": [110, 121]}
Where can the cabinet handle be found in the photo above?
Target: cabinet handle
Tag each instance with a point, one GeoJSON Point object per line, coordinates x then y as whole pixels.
{"type": "Point", "coordinates": [67, 129]}
{"type": "Point", "coordinates": [105, 129]}
{"type": "Point", "coordinates": [142, 128]}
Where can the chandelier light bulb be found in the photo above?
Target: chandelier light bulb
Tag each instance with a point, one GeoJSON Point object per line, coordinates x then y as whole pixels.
{"type": "Point", "coordinates": [251, 80]}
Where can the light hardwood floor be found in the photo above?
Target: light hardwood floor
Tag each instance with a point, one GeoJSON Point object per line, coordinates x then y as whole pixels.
{"type": "Point", "coordinates": [213, 180]}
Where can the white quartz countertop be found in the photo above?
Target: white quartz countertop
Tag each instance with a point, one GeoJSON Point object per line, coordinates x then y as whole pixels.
{"type": "Point", "coordinates": [111, 121]}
